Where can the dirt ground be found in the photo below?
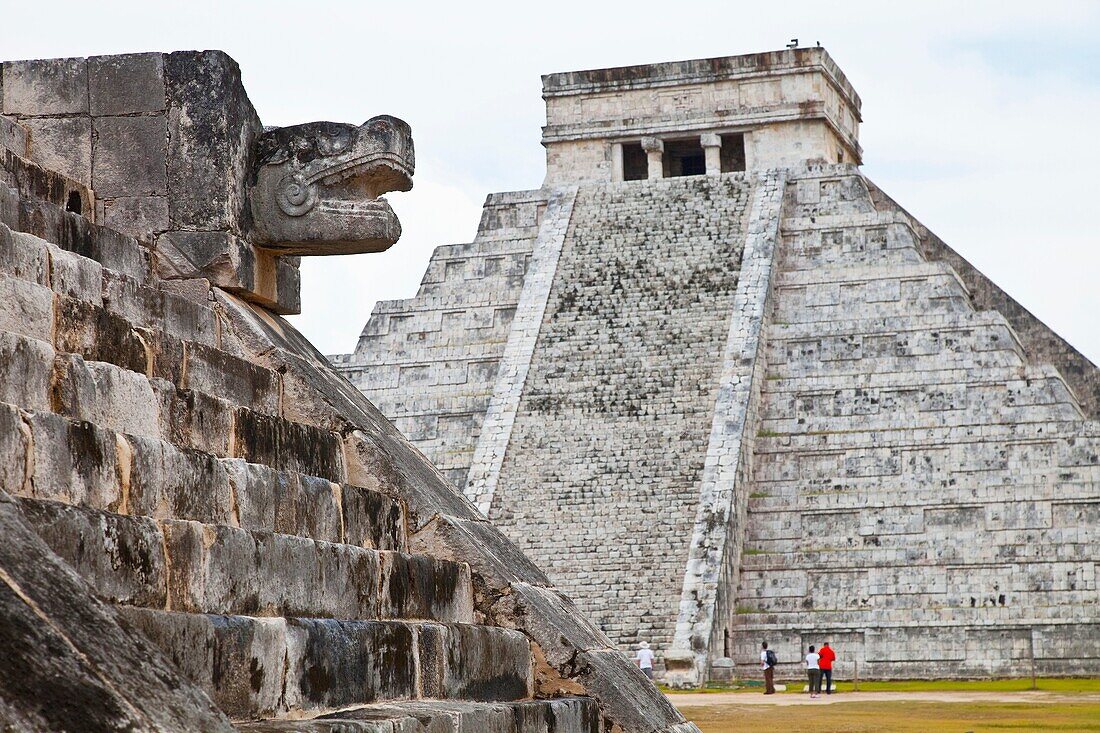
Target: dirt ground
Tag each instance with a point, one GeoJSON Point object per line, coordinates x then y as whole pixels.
{"type": "Point", "coordinates": [904, 712]}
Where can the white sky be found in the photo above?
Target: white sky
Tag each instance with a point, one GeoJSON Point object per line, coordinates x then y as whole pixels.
{"type": "Point", "coordinates": [980, 118]}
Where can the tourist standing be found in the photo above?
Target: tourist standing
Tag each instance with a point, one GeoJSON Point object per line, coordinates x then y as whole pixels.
{"type": "Point", "coordinates": [828, 656]}
{"type": "Point", "coordinates": [813, 671]}
{"type": "Point", "coordinates": [644, 659]}
{"type": "Point", "coordinates": [767, 662]}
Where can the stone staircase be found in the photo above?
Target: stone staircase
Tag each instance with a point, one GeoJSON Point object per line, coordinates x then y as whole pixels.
{"type": "Point", "coordinates": [246, 511]}
{"type": "Point", "coordinates": [921, 484]}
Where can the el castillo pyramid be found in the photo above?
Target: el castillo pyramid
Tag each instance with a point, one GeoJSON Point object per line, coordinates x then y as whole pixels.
{"type": "Point", "coordinates": [204, 528]}
{"type": "Point", "coordinates": [723, 389]}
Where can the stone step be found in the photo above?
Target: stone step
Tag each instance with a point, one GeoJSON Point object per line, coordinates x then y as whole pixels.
{"type": "Point", "coordinates": [790, 310]}
{"type": "Point", "coordinates": [931, 324]}
{"type": "Point", "coordinates": [560, 715]}
{"type": "Point", "coordinates": [871, 495]}
{"type": "Point", "coordinates": [33, 376]}
{"type": "Point", "coordinates": [74, 233]}
{"type": "Point", "coordinates": [271, 667]}
{"type": "Point", "coordinates": [50, 457]}
{"type": "Point", "coordinates": [781, 388]}
{"type": "Point", "coordinates": [905, 619]}
{"type": "Point", "coordinates": [205, 568]}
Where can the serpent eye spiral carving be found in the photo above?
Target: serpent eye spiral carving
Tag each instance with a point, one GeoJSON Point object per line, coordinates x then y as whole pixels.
{"type": "Point", "coordinates": [295, 196]}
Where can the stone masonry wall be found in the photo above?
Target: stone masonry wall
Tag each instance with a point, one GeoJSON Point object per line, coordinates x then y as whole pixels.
{"type": "Point", "coordinates": [601, 477]}
{"type": "Point", "coordinates": [923, 496]}
{"type": "Point", "coordinates": [430, 362]}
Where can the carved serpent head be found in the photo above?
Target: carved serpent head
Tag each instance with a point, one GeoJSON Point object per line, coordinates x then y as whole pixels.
{"type": "Point", "coordinates": [317, 187]}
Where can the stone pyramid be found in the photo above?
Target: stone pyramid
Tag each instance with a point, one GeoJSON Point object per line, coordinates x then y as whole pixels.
{"type": "Point", "coordinates": [204, 527]}
{"type": "Point", "coordinates": [725, 390]}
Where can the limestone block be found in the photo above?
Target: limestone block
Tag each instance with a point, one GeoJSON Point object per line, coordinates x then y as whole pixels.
{"type": "Point", "coordinates": [237, 661]}
{"type": "Point", "coordinates": [151, 308]}
{"type": "Point", "coordinates": [218, 569]}
{"type": "Point", "coordinates": [126, 84]}
{"type": "Point", "coordinates": [75, 276]}
{"type": "Point", "coordinates": [28, 309]}
{"type": "Point", "coordinates": [14, 451]}
{"type": "Point", "coordinates": [215, 372]}
{"type": "Point", "coordinates": [107, 395]}
{"type": "Point", "coordinates": [422, 587]}
{"type": "Point", "coordinates": [74, 462]}
{"type": "Point", "coordinates": [74, 233]}
{"type": "Point", "coordinates": [75, 667]}
{"type": "Point", "coordinates": [170, 482]}
{"type": "Point", "coordinates": [338, 663]}
{"type": "Point", "coordinates": [142, 217]}
{"type": "Point", "coordinates": [129, 156]}
{"type": "Point", "coordinates": [25, 371]}
{"type": "Point", "coordinates": [198, 160]}
{"type": "Point", "coordinates": [63, 144]}
{"type": "Point", "coordinates": [23, 256]}
{"type": "Point", "coordinates": [287, 446]}
{"type": "Point", "coordinates": [486, 663]}
{"type": "Point", "coordinates": [14, 136]}
{"type": "Point", "coordinates": [195, 420]}
{"type": "Point", "coordinates": [286, 503]}
{"type": "Point", "coordinates": [121, 557]}
{"type": "Point", "coordinates": [46, 87]}
{"type": "Point", "coordinates": [373, 519]}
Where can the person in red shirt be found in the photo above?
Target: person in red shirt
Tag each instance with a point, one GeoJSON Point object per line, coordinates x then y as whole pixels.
{"type": "Point", "coordinates": [826, 664]}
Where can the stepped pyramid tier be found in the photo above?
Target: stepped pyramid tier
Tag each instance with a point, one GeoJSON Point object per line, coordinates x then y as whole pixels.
{"type": "Point", "coordinates": [723, 389]}
{"type": "Point", "coordinates": [206, 528]}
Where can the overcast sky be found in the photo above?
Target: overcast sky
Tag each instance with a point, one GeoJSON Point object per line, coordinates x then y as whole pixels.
{"type": "Point", "coordinates": [980, 118]}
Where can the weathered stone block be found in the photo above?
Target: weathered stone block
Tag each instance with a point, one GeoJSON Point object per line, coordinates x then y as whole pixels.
{"type": "Point", "coordinates": [46, 87]}
{"type": "Point", "coordinates": [63, 144]}
{"type": "Point", "coordinates": [422, 587]}
{"type": "Point", "coordinates": [126, 84]}
{"type": "Point", "coordinates": [338, 663]}
{"type": "Point", "coordinates": [107, 395]}
{"type": "Point", "coordinates": [142, 217]}
{"type": "Point", "coordinates": [129, 156]}
{"type": "Point", "coordinates": [213, 371]}
{"type": "Point", "coordinates": [237, 661]}
{"type": "Point", "coordinates": [195, 420]}
{"type": "Point", "coordinates": [267, 499]}
{"type": "Point", "coordinates": [205, 93]}
{"type": "Point", "coordinates": [287, 446]}
{"type": "Point", "coordinates": [23, 256]}
{"type": "Point", "coordinates": [177, 483]}
{"type": "Point", "coordinates": [14, 451]}
{"type": "Point", "coordinates": [14, 136]}
{"type": "Point", "coordinates": [121, 557]}
{"type": "Point", "coordinates": [75, 462]}
{"type": "Point", "coordinates": [75, 276]}
{"type": "Point", "coordinates": [25, 371]}
{"type": "Point", "coordinates": [487, 663]}
{"type": "Point", "coordinates": [28, 309]}
{"type": "Point", "coordinates": [373, 519]}
{"type": "Point", "coordinates": [70, 664]}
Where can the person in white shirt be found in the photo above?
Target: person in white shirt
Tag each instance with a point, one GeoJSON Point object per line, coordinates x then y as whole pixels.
{"type": "Point", "coordinates": [767, 663]}
{"type": "Point", "coordinates": [644, 659]}
{"type": "Point", "coordinates": [813, 671]}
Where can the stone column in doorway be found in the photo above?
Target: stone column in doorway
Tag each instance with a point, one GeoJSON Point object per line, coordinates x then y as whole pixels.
{"type": "Point", "coordinates": [712, 146]}
{"type": "Point", "coordinates": [654, 150]}
{"type": "Point", "coordinates": [616, 162]}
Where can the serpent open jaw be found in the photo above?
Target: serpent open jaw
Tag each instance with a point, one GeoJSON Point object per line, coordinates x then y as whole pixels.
{"type": "Point", "coordinates": [317, 188]}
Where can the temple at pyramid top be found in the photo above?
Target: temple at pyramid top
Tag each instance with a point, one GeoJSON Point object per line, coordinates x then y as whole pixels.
{"type": "Point", "coordinates": [682, 118]}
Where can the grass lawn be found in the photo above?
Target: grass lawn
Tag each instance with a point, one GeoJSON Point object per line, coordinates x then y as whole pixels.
{"type": "Point", "coordinates": [897, 717]}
